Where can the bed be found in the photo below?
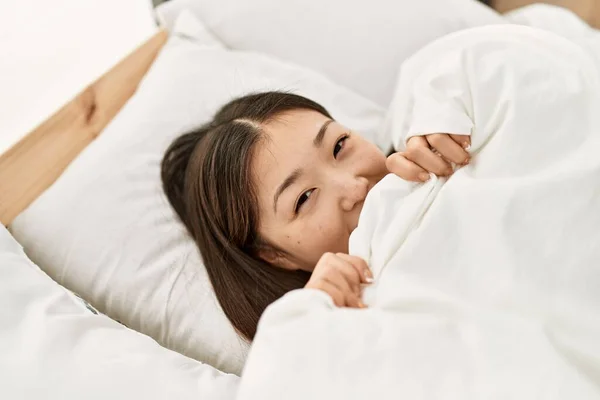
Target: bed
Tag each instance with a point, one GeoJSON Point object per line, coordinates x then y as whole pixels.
{"type": "Point", "coordinates": [32, 165]}
{"type": "Point", "coordinates": [67, 187]}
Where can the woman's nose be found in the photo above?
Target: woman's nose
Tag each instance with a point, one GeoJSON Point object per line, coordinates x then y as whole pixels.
{"type": "Point", "coordinates": [352, 190]}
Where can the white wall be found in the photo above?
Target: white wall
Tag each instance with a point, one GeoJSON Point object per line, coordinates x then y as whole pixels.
{"type": "Point", "coordinates": [51, 49]}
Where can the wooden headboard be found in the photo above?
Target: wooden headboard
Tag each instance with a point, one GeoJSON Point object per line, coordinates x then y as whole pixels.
{"type": "Point", "coordinates": [34, 163]}
{"type": "Point", "coordinates": [588, 10]}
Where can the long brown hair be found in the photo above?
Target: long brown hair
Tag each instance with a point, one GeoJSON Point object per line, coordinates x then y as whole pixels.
{"type": "Point", "coordinates": [207, 178]}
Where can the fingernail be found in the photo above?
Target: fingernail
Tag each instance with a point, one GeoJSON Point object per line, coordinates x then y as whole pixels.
{"type": "Point", "coordinates": [361, 304]}
{"type": "Point", "coordinates": [369, 276]}
{"type": "Point", "coordinates": [466, 161]}
{"type": "Point", "coordinates": [466, 146]}
{"type": "Point", "coordinates": [423, 176]}
{"type": "Point", "coordinates": [368, 279]}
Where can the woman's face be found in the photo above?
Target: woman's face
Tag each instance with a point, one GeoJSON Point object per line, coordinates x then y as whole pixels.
{"type": "Point", "coordinates": [312, 176]}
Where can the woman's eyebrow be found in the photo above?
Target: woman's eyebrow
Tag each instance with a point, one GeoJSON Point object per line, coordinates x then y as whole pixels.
{"type": "Point", "coordinates": [289, 181]}
{"type": "Point", "coordinates": [318, 140]}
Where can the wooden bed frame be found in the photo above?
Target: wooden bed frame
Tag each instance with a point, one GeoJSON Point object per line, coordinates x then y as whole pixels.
{"type": "Point", "coordinates": [588, 10]}
{"type": "Point", "coordinates": [33, 164]}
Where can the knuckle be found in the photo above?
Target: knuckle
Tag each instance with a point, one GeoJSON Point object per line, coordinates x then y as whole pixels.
{"type": "Point", "coordinates": [358, 266]}
{"type": "Point", "coordinates": [415, 141]}
{"type": "Point", "coordinates": [440, 170]}
{"type": "Point", "coordinates": [412, 153]}
{"type": "Point", "coordinates": [402, 171]}
{"type": "Point", "coordinates": [392, 161]}
{"type": "Point", "coordinates": [361, 261]}
{"type": "Point", "coordinates": [435, 139]}
{"type": "Point", "coordinates": [420, 151]}
{"type": "Point", "coordinates": [413, 171]}
{"type": "Point", "coordinates": [359, 271]}
{"type": "Point", "coordinates": [328, 270]}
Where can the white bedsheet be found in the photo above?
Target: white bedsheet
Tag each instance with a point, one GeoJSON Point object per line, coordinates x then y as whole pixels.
{"type": "Point", "coordinates": [487, 284]}
{"type": "Point", "coordinates": [53, 347]}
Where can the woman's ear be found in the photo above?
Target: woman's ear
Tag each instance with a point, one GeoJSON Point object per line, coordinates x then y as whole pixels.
{"type": "Point", "coordinates": [277, 258]}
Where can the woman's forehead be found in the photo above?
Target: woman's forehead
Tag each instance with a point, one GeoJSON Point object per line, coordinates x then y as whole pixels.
{"type": "Point", "coordinates": [294, 133]}
{"type": "Point", "coordinates": [301, 122]}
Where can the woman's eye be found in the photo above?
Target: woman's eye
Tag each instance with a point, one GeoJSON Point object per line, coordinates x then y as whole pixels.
{"type": "Point", "coordinates": [339, 145]}
{"type": "Point", "coordinates": [302, 199]}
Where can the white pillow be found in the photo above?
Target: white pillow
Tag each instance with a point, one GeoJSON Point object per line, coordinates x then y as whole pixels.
{"type": "Point", "coordinates": [105, 229]}
{"type": "Point", "coordinates": [359, 44]}
{"type": "Point", "coordinates": [53, 347]}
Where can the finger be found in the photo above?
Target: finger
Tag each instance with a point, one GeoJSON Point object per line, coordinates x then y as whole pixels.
{"type": "Point", "coordinates": [340, 291]}
{"type": "Point", "coordinates": [337, 277]}
{"type": "Point", "coordinates": [418, 151]}
{"type": "Point", "coordinates": [399, 165]}
{"type": "Point", "coordinates": [351, 269]}
{"type": "Point", "coordinates": [341, 298]}
{"type": "Point", "coordinates": [349, 273]}
{"type": "Point", "coordinates": [352, 298]}
{"type": "Point", "coordinates": [336, 294]}
{"type": "Point", "coordinates": [448, 148]}
{"type": "Point", "coordinates": [360, 266]}
{"type": "Point", "coordinates": [337, 271]}
{"type": "Point", "coordinates": [354, 301]}
{"type": "Point", "coordinates": [463, 140]}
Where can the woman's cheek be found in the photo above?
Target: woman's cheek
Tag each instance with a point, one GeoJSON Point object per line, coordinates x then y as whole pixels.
{"type": "Point", "coordinates": [310, 235]}
{"type": "Point", "coordinates": [331, 235]}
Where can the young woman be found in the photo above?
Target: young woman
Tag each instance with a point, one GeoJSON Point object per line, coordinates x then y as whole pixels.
{"type": "Point", "coordinates": [270, 191]}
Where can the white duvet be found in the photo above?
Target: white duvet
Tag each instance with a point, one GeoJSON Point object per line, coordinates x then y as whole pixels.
{"type": "Point", "coordinates": [487, 284]}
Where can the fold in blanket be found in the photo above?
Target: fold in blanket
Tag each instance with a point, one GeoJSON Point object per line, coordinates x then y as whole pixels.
{"type": "Point", "coordinates": [487, 284]}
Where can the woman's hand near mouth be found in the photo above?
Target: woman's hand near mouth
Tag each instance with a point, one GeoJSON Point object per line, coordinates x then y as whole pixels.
{"type": "Point", "coordinates": [435, 153]}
